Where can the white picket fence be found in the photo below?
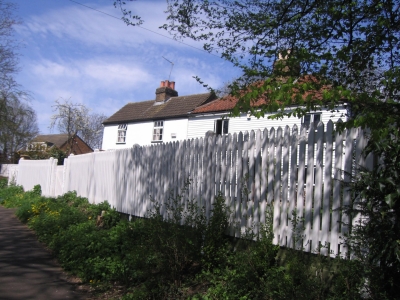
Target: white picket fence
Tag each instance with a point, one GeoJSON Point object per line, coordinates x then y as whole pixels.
{"type": "Point", "coordinates": [7, 170]}
{"type": "Point", "coordinates": [282, 170]}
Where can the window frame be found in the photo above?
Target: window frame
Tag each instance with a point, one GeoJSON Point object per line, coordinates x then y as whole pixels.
{"type": "Point", "coordinates": [312, 118]}
{"type": "Point", "coordinates": [121, 133]}
{"type": "Point", "coordinates": [158, 131]}
{"type": "Point", "coordinates": [223, 127]}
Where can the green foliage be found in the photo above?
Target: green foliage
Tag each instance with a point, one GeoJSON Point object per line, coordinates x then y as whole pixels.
{"type": "Point", "coordinates": [58, 154]}
{"type": "Point", "coordinates": [216, 247]}
{"type": "Point", "coordinates": [11, 196]}
{"type": "Point", "coordinates": [37, 190]}
{"type": "Point", "coordinates": [37, 154]}
{"type": "Point", "coordinates": [175, 253]}
{"type": "Point", "coordinates": [376, 240]}
{"type": "Point", "coordinates": [3, 183]}
{"type": "Point", "coordinates": [174, 242]}
{"type": "Point", "coordinates": [351, 49]}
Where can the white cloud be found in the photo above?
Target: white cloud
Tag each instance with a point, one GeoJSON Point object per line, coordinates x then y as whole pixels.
{"type": "Point", "coordinates": [95, 28]}
{"type": "Point", "coordinates": [102, 73]}
{"type": "Point", "coordinates": [74, 52]}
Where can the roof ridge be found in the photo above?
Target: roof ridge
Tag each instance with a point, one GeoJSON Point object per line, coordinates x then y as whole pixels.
{"type": "Point", "coordinates": [133, 102]}
{"type": "Point", "coordinates": [192, 95]}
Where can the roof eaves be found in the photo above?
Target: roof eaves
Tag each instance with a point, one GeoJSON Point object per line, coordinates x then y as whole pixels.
{"type": "Point", "coordinates": [147, 119]}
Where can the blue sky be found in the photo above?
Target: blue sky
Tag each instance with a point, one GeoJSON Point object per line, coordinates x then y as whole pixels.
{"type": "Point", "coordinates": [72, 52]}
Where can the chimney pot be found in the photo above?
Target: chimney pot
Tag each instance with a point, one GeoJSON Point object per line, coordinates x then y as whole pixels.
{"type": "Point", "coordinates": [166, 91]}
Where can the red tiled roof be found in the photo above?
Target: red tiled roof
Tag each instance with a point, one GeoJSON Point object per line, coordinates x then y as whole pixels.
{"type": "Point", "coordinates": [227, 103]}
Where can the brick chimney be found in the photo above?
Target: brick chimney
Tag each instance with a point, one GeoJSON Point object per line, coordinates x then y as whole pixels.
{"type": "Point", "coordinates": [281, 68]}
{"type": "Point", "coordinates": [166, 91]}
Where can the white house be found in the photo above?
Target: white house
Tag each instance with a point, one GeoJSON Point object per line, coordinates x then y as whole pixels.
{"type": "Point", "coordinates": [164, 119]}
{"type": "Point", "coordinates": [172, 118]}
{"type": "Point", "coordinates": [214, 116]}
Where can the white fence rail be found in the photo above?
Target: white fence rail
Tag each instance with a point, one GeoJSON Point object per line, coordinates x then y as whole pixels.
{"type": "Point", "coordinates": [33, 172]}
{"type": "Point", "coordinates": [7, 169]}
{"type": "Point", "coordinates": [281, 169]}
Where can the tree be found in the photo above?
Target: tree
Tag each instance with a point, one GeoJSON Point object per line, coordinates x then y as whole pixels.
{"type": "Point", "coordinates": [17, 127]}
{"type": "Point", "coordinates": [17, 119]}
{"type": "Point", "coordinates": [93, 133]}
{"type": "Point", "coordinates": [8, 55]}
{"type": "Point", "coordinates": [351, 49]}
{"type": "Point", "coordinates": [75, 119]}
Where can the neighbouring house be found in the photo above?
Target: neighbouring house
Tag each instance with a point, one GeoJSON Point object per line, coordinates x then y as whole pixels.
{"type": "Point", "coordinates": [61, 141]}
{"type": "Point", "coordinates": [214, 116]}
{"type": "Point", "coordinates": [164, 119]}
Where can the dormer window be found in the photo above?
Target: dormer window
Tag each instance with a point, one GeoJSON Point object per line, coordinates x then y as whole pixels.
{"type": "Point", "coordinates": [158, 131]}
{"type": "Point", "coordinates": [122, 133]}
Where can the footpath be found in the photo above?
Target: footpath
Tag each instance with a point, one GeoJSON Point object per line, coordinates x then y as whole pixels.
{"type": "Point", "coordinates": [27, 269]}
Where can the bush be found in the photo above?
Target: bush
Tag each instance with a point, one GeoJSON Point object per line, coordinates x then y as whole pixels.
{"type": "Point", "coordinates": [3, 183]}
{"type": "Point", "coordinates": [174, 244]}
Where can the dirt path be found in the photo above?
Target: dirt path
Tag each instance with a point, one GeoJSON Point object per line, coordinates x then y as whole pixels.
{"type": "Point", "coordinates": [27, 269]}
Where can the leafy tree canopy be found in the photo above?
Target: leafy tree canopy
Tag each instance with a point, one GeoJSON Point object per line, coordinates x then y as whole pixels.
{"type": "Point", "coordinates": [351, 49]}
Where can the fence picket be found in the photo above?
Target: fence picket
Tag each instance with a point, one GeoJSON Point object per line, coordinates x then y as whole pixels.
{"type": "Point", "coordinates": [200, 169]}
{"type": "Point", "coordinates": [264, 173]}
{"type": "Point", "coordinates": [234, 184]}
{"type": "Point", "coordinates": [277, 185]}
{"type": "Point", "coordinates": [223, 164]}
{"type": "Point", "coordinates": [243, 177]}
{"type": "Point", "coordinates": [326, 216]}
{"type": "Point", "coordinates": [250, 180]}
{"type": "Point", "coordinates": [271, 158]}
{"type": "Point", "coordinates": [318, 185]}
{"type": "Point", "coordinates": [292, 184]}
{"type": "Point", "coordinates": [208, 181]}
{"type": "Point", "coordinates": [285, 173]}
{"type": "Point", "coordinates": [300, 214]}
{"type": "Point", "coordinates": [309, 189]}
{"type": "Point", "coordinates": [257, 182]}
{"type": "Point", "coordinates": [239, 181]}
{"type": "Point", "coordinates": [218, 164]}
{"type": "Point", "coordinates": [348, 157]}
{"type": "Point", "coordinates": [337, 187]}
{"type": "Point", "coordinates": [228, 179]}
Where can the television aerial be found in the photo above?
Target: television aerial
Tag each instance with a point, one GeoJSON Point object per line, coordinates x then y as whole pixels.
{"type": "Point", "coordinates": [172, 65]}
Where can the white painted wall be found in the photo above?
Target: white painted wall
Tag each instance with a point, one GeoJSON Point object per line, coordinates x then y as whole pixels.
{"type": "Point", "coordinates": [142, 133]}
{"type": "Point", "coordinates": [199, 124]}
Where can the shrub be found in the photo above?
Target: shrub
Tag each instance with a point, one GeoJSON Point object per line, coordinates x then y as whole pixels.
{"type": "Point", "coordinates": [3, 183]}
{"type": "Point", "coordinates": [174, 243]}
